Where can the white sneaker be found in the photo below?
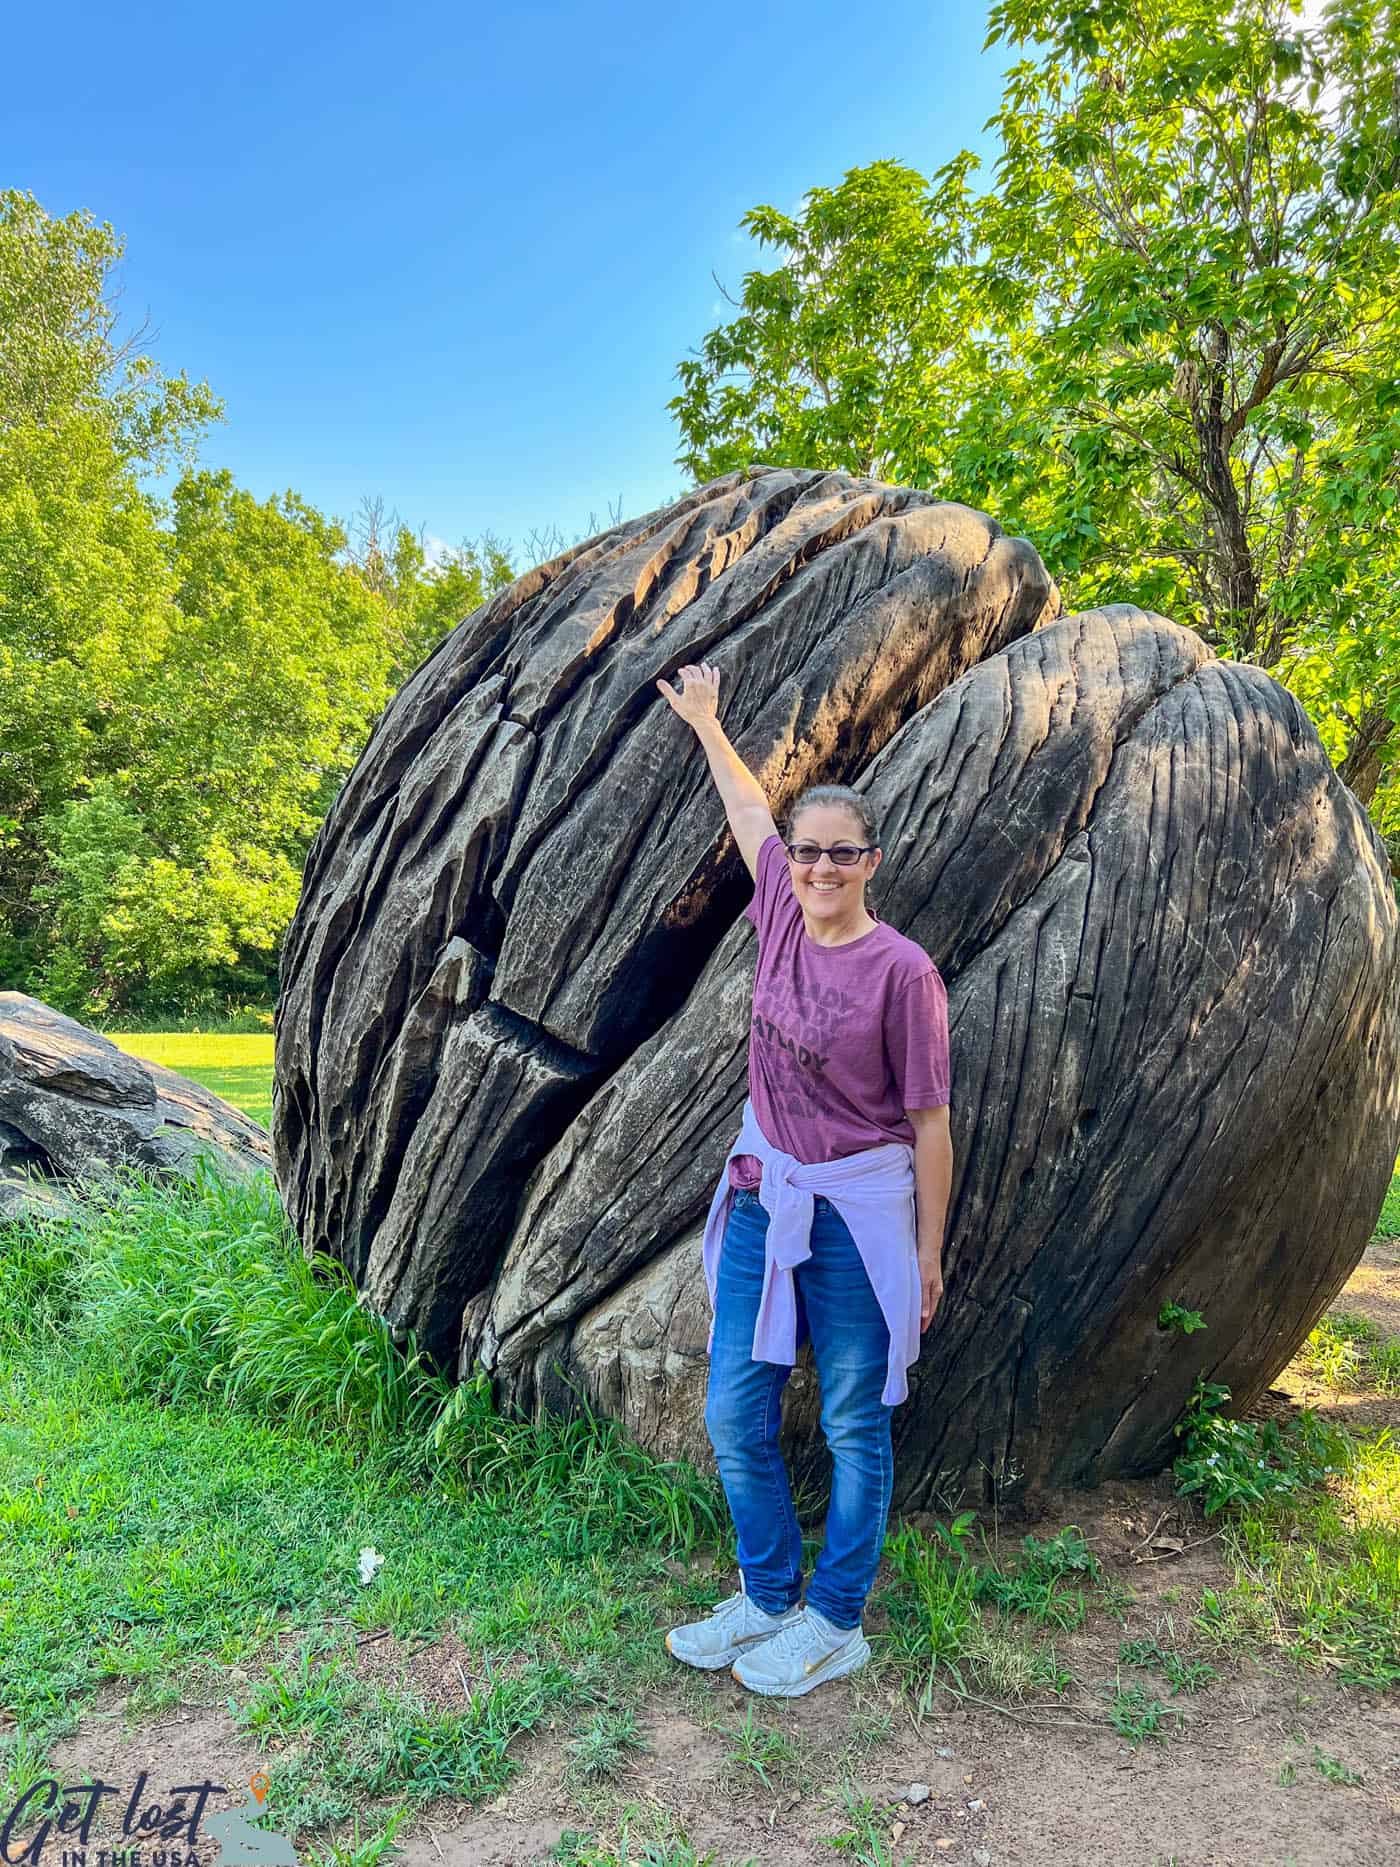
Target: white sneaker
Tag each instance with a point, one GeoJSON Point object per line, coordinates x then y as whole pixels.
{"type": "Point", "coordinates": [732, 1627]}
{"type": "Point", "coordinates": [805, 1654]}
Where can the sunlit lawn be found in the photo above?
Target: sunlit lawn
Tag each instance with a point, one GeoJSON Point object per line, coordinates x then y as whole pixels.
{"type": "Point", "coordinates": [1388, 1224]}
{"type": "Point", "coordinates": [237, 1067]}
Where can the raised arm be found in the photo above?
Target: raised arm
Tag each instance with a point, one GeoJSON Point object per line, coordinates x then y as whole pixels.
{"type": "Point", "coordinates": [740, 792]}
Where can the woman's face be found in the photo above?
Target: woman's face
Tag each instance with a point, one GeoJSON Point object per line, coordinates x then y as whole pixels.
{"type": "Point", "coordinates": [825, 889]}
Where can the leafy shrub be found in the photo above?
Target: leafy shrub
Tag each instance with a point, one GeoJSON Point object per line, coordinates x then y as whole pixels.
{"type": "Point", "coordinates": [1248, 1462]}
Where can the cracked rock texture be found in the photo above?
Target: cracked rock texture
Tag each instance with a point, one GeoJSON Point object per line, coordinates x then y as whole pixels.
{"type": "Point", "coordinates": [73, 1107]}
{"type": "Point", "coordinates": [512, 1034]}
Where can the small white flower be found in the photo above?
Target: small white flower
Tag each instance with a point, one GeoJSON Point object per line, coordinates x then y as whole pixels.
{"type": "Point", "coordinates": [370, 1561]}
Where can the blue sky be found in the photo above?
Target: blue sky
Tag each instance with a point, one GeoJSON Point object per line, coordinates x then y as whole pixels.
{"type": "Point", "coordinates": [452, 256]}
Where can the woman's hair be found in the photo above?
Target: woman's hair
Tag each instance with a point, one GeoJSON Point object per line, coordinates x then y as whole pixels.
{"type": "Point", "coordinates": [842, 796]}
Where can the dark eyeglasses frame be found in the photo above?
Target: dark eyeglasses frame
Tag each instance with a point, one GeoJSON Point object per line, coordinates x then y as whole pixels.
{"type": "Point", "coordinates": [861, 849]}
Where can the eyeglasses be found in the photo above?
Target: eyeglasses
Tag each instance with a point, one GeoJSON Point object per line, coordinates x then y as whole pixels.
{"type": "Point", "coordinates": [842, 854]}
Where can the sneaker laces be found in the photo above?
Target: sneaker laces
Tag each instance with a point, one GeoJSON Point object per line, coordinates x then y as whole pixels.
{"type": "Point", "coordinates": [800, 1633]}
{"type": "Point", "coordinates": [726, 1609]}
{"type": "Point", "coordinates": [734, 1604]}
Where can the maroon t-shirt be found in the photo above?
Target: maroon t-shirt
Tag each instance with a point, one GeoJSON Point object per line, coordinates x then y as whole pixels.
{"type": "Point", "coordinates": [843, 1039]}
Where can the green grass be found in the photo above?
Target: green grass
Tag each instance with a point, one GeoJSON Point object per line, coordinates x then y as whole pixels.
{"type": "Point", "coordinates": [1310, 1521]}
{"type": "Point", "coordinates": [199, 1432]}
{"type": "Point", "coordinates": [236, 1066]}
{"type": "Point", "coordinates": [1181, 1674]}
{"type": "Point", "coordinates": [1333, 1769]}
{"type": "Point", "coordinates": [1319, 1576]}
{"type": "Point", "coordinates": [1349, 1354]}
{"type": "Point", "coordinates": [579, 1850]}
{"type": "Point", "coordinates": [1388, 1224]}
{"type": "Point", "coordinates": [606, 1744]}
{"type": "Point", "coordinates": [1134, 1715]}
{"type": "Point", "coordinates": [349, 1739]}
{"type": "Point", "coordinates": [163, 1547]}
{"type": "Point", "coordinates": [650, 1837]}
{"type": "Point", "coordinates": [377, 1846]}
{"type": "Point", "coordinates": [198, 1292]}
{"type": "Point", "coordinates": [973, 1627]}
{"type": "Point", "coordinates": [864, 1837]}
{"type": "Point", "coordinates": [767, 1754]}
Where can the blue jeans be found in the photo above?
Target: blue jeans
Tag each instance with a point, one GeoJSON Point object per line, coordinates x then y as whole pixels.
{"type": "Point", "coordinates": [850, 1344]}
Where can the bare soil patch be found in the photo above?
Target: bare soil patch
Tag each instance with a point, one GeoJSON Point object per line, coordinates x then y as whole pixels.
{"type": "Point", "coordinates": [1052, 1788]}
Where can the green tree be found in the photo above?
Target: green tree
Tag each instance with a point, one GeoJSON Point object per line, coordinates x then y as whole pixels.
{"type": "Point", "coordinates": [85, 583]}
{"type": "Point", "coordinates": [85, 592]}
{"type": "Point", "coordinates": [1164, 345]}
{"type": "Point", "coordinates": [270, 681]}
{"type": "Point", "coordinates": [61, 347]}
{"type": "Point", "coordinates": [216, 705]}
{"type": "Point", "coordinates": [184, 683]}
{"type": "Point", "coordinates": [427, 596]}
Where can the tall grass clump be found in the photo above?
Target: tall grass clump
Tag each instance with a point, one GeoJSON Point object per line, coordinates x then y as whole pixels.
{"type": "Point", "coordinates": [198, 1293]}
{"type": "Point", "coordinates": [951, 1618]}
{"type": "Point", "coordinates": [1388, 1223]}
{"type": "Point", "coordinates": [40, 1263]}
{"type": "Point", "coordinates": [1350, 1354]}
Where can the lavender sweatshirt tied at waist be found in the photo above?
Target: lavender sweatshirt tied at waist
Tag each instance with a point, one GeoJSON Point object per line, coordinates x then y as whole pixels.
{"type": "Point", "coordinates": [873, 1191]}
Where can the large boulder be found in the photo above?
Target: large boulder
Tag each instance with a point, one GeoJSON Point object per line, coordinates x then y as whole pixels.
{"type": "Point", "coordinates": [529, 865]}
{"type": "Point", "coordinates": [513, 1026]}
{"type": "Point", "coordinates": [73, 1107]}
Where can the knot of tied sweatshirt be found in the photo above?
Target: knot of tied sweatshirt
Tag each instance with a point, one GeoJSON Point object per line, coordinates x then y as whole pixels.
{"type": "Point", "coordinates": [873, 1191]}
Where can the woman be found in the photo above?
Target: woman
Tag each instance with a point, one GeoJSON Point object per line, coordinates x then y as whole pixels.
{"type": "Point", "coordinates": [828, 1219]}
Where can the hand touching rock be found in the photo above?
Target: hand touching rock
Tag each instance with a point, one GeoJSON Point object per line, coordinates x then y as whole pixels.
{"type": "Point", "coordinates": [698, 698]}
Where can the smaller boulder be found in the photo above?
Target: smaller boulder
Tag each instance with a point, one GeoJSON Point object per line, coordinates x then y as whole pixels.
{"type": "Point", "coordinates": [74, 1107]}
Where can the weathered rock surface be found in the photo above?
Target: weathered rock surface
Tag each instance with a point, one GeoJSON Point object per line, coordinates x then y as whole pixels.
{"type": "Point", "coordinates": [1170, 944]}
{"type": "Point", "coordinates": [74, 1107]}
{"type": "Point", "coordinates": [513, 1031]}
{"type": "Point", "coordinates": [528, 866]}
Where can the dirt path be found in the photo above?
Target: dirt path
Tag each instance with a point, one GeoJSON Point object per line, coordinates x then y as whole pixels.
{"type": "Point", "coordinates": [1008, 1792]}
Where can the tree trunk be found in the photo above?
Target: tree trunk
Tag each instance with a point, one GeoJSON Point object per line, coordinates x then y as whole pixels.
{"type": "Point", "coordinates": [1234, 574]}
{"type": "Point", "coordinates": [1368, 753]}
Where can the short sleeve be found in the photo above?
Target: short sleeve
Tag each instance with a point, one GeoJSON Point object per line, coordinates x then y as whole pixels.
{"type": "Point", "coordinates": [916, 1038]}
{"type": "Point", "coordinates": [773, 886]}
